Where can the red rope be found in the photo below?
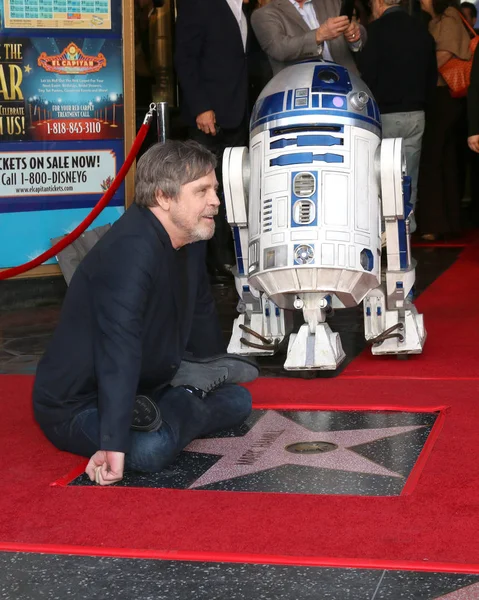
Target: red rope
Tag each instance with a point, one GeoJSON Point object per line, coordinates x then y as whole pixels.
{"type": "Point", "coordinates": [71, 237]}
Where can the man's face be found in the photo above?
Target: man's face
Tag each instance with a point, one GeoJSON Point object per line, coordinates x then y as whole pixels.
{"type": "Point", "coordinates": [467, 13]}
{"type": "Point", "coordinates": [193, 211]}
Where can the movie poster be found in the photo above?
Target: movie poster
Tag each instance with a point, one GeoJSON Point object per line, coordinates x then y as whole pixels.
{"type": "Point", "coordinates": [61, 119]}
{"type": "Point", "coordinates": [47, 174]}
{"type": "Point", "coordinates": [60, 89]}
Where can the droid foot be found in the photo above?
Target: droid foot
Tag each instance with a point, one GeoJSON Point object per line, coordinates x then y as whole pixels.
{"type": "Point", "coordinates": [404, 334]}
{"type": "Point", "coordinates": [321, 350]}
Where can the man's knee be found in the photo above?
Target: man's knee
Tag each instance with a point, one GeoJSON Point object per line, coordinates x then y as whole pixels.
{"type": "Point", "coordinates": [152, 451]}
{"type": "Point", "coordinates": [240, 401]}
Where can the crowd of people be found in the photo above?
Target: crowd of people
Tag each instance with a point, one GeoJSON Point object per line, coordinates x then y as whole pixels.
{"type": "Point", "coordinates": [226, 51]}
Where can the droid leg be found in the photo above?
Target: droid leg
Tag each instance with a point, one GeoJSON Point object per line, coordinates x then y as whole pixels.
{"type": "Point", "coordinates": [261, 326]}
{"type": "Point", "coordinates": [391, 321]}
{"type": "Point", "coordinates": [315, 346]}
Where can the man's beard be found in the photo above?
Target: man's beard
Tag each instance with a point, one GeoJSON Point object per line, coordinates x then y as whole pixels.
{"type": "Point", "coordinates": [203, 231]}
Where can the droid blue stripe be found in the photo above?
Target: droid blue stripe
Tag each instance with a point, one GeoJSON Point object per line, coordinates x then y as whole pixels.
{"type": "Point", "coordinates": [301, 158]}
{"type": "Point", "coordinates": [318, 113]}
{"type": "Point", "coordinates": [239, 252]}
{"type": "Point", "coordinates": [282, 143]}
{"type": "Point", "coordinates": [315, 101]}
{"type": "Point", "coordinates": [268, 106]}
{"type": "Point", "coordinates": [406, 190]}
{"type": "Point", "coordinates": [240, 266]}
{"type": "Point", "coordinates": [319, 140]}
{"type": "Point", "coordinates": [403, 255]}
{"type": "Point", "coordinates": [307, 140]}
{"type": "Point", "coordinates": [289, 99]}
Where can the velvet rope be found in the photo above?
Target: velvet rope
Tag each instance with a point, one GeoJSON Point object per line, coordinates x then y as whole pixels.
{"type": "Point", "coordinates": [102, 203]}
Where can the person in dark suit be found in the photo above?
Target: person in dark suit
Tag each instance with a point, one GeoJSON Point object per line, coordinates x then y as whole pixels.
{"type": "Point", "coordinates": [402, 78]}
{"type": "Point", "coordinates": [126, 379]}
{"type": "Point", "coordinates": [212, 69]}
{"type": "Point", "coordinates": [259, 67]}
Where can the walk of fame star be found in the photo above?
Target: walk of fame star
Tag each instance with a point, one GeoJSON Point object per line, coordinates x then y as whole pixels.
{"type": "Point", "coordinates": [264, 448]}
{"type": "Point", "coordinates": [467, 593]}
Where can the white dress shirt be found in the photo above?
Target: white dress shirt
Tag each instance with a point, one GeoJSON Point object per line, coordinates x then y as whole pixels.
{"type": "Point", "coordinates": [237, 9]}
{"type": "Point", "coordinates": [309, 17]}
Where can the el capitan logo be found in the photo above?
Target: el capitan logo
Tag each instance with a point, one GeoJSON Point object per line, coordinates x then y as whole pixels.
{"type": "Point", "coordinates": [71, 61]}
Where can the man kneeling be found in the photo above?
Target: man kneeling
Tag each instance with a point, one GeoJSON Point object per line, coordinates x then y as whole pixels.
{"type": "Point", "coordinates": [136, 367]}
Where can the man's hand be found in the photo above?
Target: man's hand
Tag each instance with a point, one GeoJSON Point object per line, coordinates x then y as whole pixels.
{"type": "Point", "coordinates": [473, 143]}
{"type": "Point", "coordinates": [206, 122]}
{"type": "Point", "coordinates": [331, 29]}
{"type": "Point", "coordinates": [352, 33]}
{"type": "Point", "coordinates": [106, 467]}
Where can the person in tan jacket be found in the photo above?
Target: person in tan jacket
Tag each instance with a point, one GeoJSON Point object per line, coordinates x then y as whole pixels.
{"type": "Point", "coordinates": [293, 30]}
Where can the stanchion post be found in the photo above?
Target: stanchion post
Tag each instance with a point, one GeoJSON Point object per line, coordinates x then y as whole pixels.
{"type": "Point", "coordinates": [163, 122]}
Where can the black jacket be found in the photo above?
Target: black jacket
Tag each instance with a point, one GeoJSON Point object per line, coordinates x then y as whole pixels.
{"type": "Point", "coordinates": [398, 63]}
{"type": "Point", "coordinates": [473, 97]}
{"type": "Point", "coordinates": [211, 62]}
{"type": "Point", "coordinates": [133, 306]}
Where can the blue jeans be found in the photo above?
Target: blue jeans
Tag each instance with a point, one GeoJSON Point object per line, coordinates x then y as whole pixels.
{"type": "Point", "coordinates": [185, 417]}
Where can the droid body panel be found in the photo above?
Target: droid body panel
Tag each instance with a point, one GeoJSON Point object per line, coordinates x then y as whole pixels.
{"type": "Point", "coordinates": [305, 206]}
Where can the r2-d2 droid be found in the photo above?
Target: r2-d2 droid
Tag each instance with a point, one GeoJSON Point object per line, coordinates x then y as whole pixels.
{"type": "Point", "coordinates": [306, 204]}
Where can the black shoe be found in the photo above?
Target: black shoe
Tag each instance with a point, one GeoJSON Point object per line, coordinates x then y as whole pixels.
{"type": "Point", "coordinates": [146, 414]}
{"type": "Point", "coordinates": [207, 374]}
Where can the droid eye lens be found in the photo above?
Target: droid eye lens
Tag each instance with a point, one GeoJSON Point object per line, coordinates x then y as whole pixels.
{"type": "Point", "coordinates": [328, 76]}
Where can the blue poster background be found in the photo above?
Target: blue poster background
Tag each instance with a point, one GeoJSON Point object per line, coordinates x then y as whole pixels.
{"type": "Point", "coordinates": [29, 222]}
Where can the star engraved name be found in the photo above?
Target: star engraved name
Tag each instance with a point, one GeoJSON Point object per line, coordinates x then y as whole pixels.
{"type": "Point", "coordinates": [259, 447]}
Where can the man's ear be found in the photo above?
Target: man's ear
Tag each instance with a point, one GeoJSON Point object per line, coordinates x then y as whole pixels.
{"type": "Point", "coordinates": [163, 201]}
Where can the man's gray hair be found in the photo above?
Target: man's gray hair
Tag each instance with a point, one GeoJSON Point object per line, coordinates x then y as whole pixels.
{"type": "Point", "coordinates": [166, 167]}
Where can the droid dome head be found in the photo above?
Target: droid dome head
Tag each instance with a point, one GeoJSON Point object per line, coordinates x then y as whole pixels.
{"type": "Point", "coordinates": [315, 90]}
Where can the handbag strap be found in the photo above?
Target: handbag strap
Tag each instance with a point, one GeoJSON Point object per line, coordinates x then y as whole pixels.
{"type": "Point", "coordinates": [471, 30]}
